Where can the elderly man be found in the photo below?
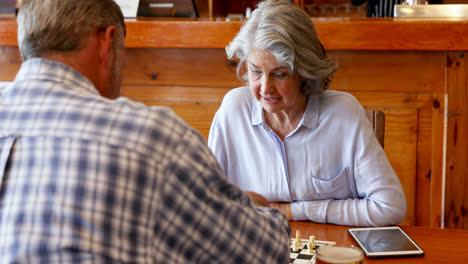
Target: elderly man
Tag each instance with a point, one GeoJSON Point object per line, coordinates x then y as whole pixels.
{"type": "Point", "coordinates": [85, 178]}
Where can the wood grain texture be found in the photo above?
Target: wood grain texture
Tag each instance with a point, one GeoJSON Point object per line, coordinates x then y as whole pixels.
{"type": "Point", "coordinates": [377, 119]}
{"type": "Point", "coordinates": [180, 67]}
{"type": "Point", "coordinates": [362, 70]}
{"type": "Point", "coordinates": [335, 33]}
{"type": "Point", "coordinates": [438, 150]}
{"type": "Point", "coordinates": [392, 34]}
{"type": "Point", "coordinates": [178, 94]}
{"type": "Point", "coordinates": [8, 32]}
{"type": "Point", "coordinates": [10, 61]}
{"type": "Point", "coordinates": [408, 71]}
{"type": "Point", "coordinates": [195, 105]}
{"type": "Point", "coordinates": [456, 203]}
{"type": "Point", "coordinates": [180, 34]}
{"type": "Point", "coordinates": [424, 163]}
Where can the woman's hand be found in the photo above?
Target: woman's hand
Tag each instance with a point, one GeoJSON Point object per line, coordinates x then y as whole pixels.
{"type": "Point", "coordinates": [285, 208]}
{"type": "Point", "coordinates": [258, 199]}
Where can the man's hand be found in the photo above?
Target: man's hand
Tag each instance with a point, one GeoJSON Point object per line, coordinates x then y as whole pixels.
{"type": "Point", "coordinates": [285, 208]}
{"type": "Point", "coordinates": [258, 199]}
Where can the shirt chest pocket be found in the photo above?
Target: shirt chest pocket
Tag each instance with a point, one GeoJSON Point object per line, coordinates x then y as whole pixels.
{"type": "Point", "coordinates": [339, 187]}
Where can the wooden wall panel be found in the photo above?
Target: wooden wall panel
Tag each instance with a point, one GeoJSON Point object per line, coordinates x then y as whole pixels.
{"type": "Point", "coordinates": [8, 36]}
{"type": "Point", "coordinates": [456, 195]}
{"type": "Point", "coordinates": [389, 71]}
{"type": "Point", "coordinates": [438, 164]}
{"type": "Point", "coordinates": [424, 164]}
{"type": "Point", "coordinates": [360, 70]}
{"type": "Point", "coordinates": [195, 105]}
{"type": "Point", "coordinates": [10, 62]}
{"type": "Point", "coordinates": [179, 67]}
{"type": "Point", "coordinates": [159, 94]}
{"type": "Point", "coordinates": [197, 115]}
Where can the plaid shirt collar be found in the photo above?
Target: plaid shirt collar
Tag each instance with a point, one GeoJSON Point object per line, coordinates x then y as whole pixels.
{"type": "Point", "coordinates": [54, 71]}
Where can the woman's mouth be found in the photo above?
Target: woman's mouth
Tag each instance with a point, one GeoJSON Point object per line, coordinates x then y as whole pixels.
{"type": "Point", "coordinates": [271, 100]}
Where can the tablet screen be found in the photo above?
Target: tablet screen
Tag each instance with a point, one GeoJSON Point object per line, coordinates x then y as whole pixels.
{"type": "Point", "coordinates": [385, 242]}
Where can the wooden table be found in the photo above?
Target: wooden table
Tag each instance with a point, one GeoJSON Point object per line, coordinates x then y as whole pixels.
{"type": "Point", "coordinates": [439, 245]}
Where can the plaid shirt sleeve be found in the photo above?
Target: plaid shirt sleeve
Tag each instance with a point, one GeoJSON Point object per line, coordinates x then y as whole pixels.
{"type": "Point", "coordinates": [212, 221]}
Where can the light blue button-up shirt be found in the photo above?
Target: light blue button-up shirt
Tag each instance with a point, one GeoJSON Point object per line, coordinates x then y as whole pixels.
{"type": "Point", "coordinates": [331, 167]}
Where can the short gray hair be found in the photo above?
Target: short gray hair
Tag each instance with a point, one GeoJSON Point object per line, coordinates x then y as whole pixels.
{"type": "Point", "coordinates": [46, 26]}
{"type": "Point", "coordinates": [288, 33]}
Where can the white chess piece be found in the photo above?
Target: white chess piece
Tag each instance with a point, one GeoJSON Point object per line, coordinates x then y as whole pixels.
{"type": "Point", "coordinates": [312, 241]}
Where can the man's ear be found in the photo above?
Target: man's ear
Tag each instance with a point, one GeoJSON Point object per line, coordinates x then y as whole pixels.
{"type": "Point", "coordinates": [106, 38]}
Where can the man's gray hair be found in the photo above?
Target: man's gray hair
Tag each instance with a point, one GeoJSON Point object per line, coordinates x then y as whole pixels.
{"type": "Point", "coordinates": [46, 26]}
{"type": "Point", "coordinates": [288, 33]}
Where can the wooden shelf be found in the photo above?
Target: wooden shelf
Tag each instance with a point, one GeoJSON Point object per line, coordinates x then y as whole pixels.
{"type": "Point", "coordinates": [335, 33]}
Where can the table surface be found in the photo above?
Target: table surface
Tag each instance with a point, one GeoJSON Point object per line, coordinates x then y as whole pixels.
{"type": "Point", "coordinates": [439, 245]}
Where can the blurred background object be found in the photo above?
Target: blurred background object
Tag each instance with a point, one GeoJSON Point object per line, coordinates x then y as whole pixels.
{"type": "Point", "coordinates": [239, 9]}
{"type": "Point", "coordinates": [335, 8]}
{"type": "Point", "coordinates": [168, 8]}
{"type": "Point", "coordinates": [445, 11]}
{"type": "Point", "coordinates": [378, 8]}
{"type": "Point", "coordinates": [385, 8]}
{"type": "Point", "coordinates": [7, 7]}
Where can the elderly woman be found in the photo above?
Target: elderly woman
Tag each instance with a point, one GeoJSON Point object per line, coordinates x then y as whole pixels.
{"type": "Point", "coordinates": [309, 151]}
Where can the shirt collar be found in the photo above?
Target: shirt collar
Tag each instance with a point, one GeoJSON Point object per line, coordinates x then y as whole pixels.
{"type": "Point", "coordinates": [43, 69]}
{"type": "Point", "coordinates": [312, 112]}
{"type": "Point", "coordinates": [309, 120]}
{"type": "Point", "coordinates": [257, 114]}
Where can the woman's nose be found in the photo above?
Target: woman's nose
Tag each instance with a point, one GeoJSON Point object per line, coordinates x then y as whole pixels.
{"type": "Point", "coordinates": [267, 85]}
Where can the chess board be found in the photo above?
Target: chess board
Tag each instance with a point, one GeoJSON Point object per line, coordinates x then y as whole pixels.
{"type": "Point", "coordinates": [302, 256]}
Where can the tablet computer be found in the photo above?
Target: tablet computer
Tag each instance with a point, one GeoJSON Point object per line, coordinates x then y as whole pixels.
{"type": "Point", "coordinates": [381, 242]}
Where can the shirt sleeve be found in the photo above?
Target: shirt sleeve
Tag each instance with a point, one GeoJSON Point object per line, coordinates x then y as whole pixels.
{"type": "Point", "coordinates": [216, 143]}
{"type": "Point", "coordinates": [213, 221]}
{"type": "Point", "coordinates": [380, 198]}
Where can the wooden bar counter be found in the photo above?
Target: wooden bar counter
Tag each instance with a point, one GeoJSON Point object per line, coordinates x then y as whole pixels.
{"type": "Point", "coordinates": [415, 71]}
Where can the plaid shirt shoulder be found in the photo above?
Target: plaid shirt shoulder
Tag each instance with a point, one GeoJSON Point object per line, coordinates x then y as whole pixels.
{"type": "Point", "coordinates": [90, 180]}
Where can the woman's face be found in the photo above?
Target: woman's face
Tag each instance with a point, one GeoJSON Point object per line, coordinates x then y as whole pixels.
{"type": "Point", "coordinates": [277, 89]}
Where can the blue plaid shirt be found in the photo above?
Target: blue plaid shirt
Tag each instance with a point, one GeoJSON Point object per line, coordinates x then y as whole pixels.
{"type": "Point", "coordinates": [85, 179]}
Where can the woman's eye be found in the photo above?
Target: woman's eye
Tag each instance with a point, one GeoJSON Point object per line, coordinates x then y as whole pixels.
{"type": "Point", "coordinates": [256, 72]}
{"type": "Point", "coordinates": [280, 75]}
